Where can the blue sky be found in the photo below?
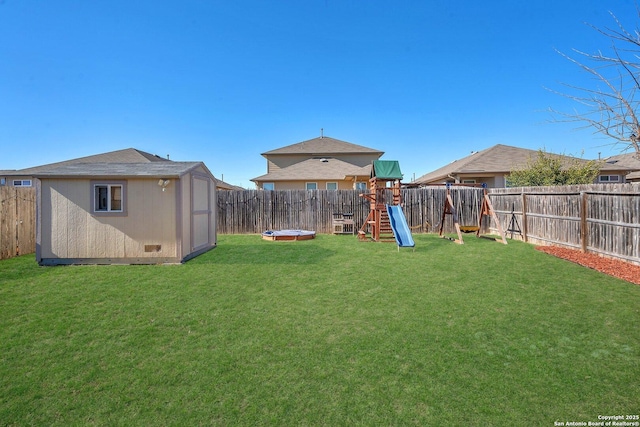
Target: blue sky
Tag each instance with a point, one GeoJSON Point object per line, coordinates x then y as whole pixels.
{"type": "Point", "coordinates": [426, 82]}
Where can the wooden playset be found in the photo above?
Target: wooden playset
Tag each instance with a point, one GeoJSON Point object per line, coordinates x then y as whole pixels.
{"type": "Point", "coordinates": [384, 189]}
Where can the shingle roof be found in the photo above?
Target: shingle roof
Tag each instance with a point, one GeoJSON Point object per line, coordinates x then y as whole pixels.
{"type": "Point", "coordinates": [633, 176]}
{"type": "Point", "coordinates": [127, 155]}
{"type": "Point", "coordinates": [630, 160]}
{"type": "Point", "coordinates": [497, 159]}
{"type": "Point", "coordinates": [121, 170]}
{"type": "Point", "coordinates": [316, 169]}
{"type": "Point", "coordinates": [226, 186]}
{"type": "Point", "coordinates": [323, 146]}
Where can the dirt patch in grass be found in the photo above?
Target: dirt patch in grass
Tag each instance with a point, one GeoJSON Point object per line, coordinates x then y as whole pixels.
{"type": "Point", "coordinates": [617, 268]}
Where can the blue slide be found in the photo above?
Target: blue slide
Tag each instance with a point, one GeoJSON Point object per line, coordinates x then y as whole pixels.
{"type": "Point", "coordinates": [400, 227]}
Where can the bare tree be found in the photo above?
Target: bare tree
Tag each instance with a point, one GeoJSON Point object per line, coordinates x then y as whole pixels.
{"type": "Point", "coordinates": [611, 106]}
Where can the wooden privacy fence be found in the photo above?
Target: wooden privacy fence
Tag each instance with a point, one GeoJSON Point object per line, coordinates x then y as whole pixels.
{"type": "Point", "coordinates": [17, 221]}
{"type": "Point", "coordinates": [603, 219]}
{"type": "Point", "coordinates": [254, 211]}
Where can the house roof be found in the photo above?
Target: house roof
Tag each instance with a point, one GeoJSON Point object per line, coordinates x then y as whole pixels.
{"type": "Point", "coordinates": [121, 170]}
{"type": "Point", "coordinates": [633, 176]}
{"type": "Point", "coordinates": [497, 159]}
{"type": "Point", "coordinates": [630, 160]}
{"type": "Point", "coordinates": [127, 155]}
{"type": "Point", "coordinates": [322, 146]}
{"type": "Point", "coordinates": [321, 169]}
{"type": "Point", "coordinates": [226, 186]}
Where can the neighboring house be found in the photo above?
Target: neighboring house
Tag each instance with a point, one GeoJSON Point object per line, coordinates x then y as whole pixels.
{"type": "Point", "coordinates": [221, 185]}
{"type": "Point", "coordinates": [629, 160]}
{"type": "Point", "coordinates": [493, 165]}
{"type": "Point", "coordinates": [322, 163]}
{"type": "Point", "coordinates": [633, 177]}
{"type": "Point", "coordinates": [124, 213]}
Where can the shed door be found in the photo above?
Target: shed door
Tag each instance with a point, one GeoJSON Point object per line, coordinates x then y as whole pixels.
{"type": "Point", "coordinates": [200, 212]}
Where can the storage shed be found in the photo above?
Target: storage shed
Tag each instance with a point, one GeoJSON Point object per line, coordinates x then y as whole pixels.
{"type": "Point", "coordinates": [125, 213]}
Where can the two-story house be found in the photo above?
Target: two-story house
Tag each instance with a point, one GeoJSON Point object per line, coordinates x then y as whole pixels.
{"type": "Point", "coordinates": [321, 163]}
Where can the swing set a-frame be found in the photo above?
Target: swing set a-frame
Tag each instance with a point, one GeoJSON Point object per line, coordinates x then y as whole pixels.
{"type": "Point", "coordinates": [485, 209]}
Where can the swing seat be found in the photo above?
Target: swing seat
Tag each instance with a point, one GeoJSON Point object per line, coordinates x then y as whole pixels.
{"type": "Point", "coordinates": [469, 228]}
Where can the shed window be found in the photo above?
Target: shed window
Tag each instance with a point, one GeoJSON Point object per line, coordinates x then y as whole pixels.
{"type": "Point", "coordinates": [109, 198]}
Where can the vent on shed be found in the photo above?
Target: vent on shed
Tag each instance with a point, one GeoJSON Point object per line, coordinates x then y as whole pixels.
{"type": "Point", "coordinates": [152, 248]}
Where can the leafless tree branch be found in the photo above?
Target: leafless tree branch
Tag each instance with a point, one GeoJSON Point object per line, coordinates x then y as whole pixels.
{"type": "Point", "coordinates": [610, 107]}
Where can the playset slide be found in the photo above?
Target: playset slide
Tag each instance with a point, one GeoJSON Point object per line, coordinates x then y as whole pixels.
{"type": "Point", "coordinates": [400, 227]}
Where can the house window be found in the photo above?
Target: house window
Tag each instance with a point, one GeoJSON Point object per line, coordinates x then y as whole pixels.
{"type": "Point", "coordinates": [332, 185]}
{"type": "Point", "coordinates": [21, 183]}
{"type": "Point", "coordinates": [3, 181]}
{"type": "Point", "coordinates": [311, 185]}
{"type": "Point", "coordinates": [609, 178]}
{"type": "Point", "coordinates": [269, 186]}
{"type": "Point", "coordinates": [109, 198]}
{"type": "Point", "coordinates": [361, 186]}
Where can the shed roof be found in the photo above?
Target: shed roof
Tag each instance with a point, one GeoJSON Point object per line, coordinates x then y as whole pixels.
{"type": "Point", "coordinates": [127, 155]}
{"type": "Point", "coordinates": [323, 146]}
{"type": "Point", "coordinates": [121, 170]}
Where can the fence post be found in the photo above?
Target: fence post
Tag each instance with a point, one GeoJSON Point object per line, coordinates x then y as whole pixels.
{"type": "Point", "coordinates": [584, 230]}
{"type": "Point", "coordinates": [524, 217]}
{"type": "Point", "coordinates": [17, 222]}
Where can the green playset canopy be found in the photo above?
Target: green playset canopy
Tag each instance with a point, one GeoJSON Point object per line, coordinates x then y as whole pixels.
{"type": "Point", "coordinates": [386, 169]}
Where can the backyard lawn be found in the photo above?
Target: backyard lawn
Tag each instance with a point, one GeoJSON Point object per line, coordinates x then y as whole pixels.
{"type": "Point", "coordinates": [330, 331]}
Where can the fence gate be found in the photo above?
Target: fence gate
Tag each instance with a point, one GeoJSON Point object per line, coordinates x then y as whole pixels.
{"type": "Point", "coordinates": [17, 221]}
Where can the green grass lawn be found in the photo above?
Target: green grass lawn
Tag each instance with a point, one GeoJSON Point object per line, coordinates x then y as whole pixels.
{"type": "Point", "coordinates": [330, 331]}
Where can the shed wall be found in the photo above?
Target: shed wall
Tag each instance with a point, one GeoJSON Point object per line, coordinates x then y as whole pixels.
{"type": "Point", "coordinates": [69, 230]}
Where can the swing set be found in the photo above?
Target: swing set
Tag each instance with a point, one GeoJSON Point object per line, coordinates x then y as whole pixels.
{"type": "Point", "coordinates": [478, 211]}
